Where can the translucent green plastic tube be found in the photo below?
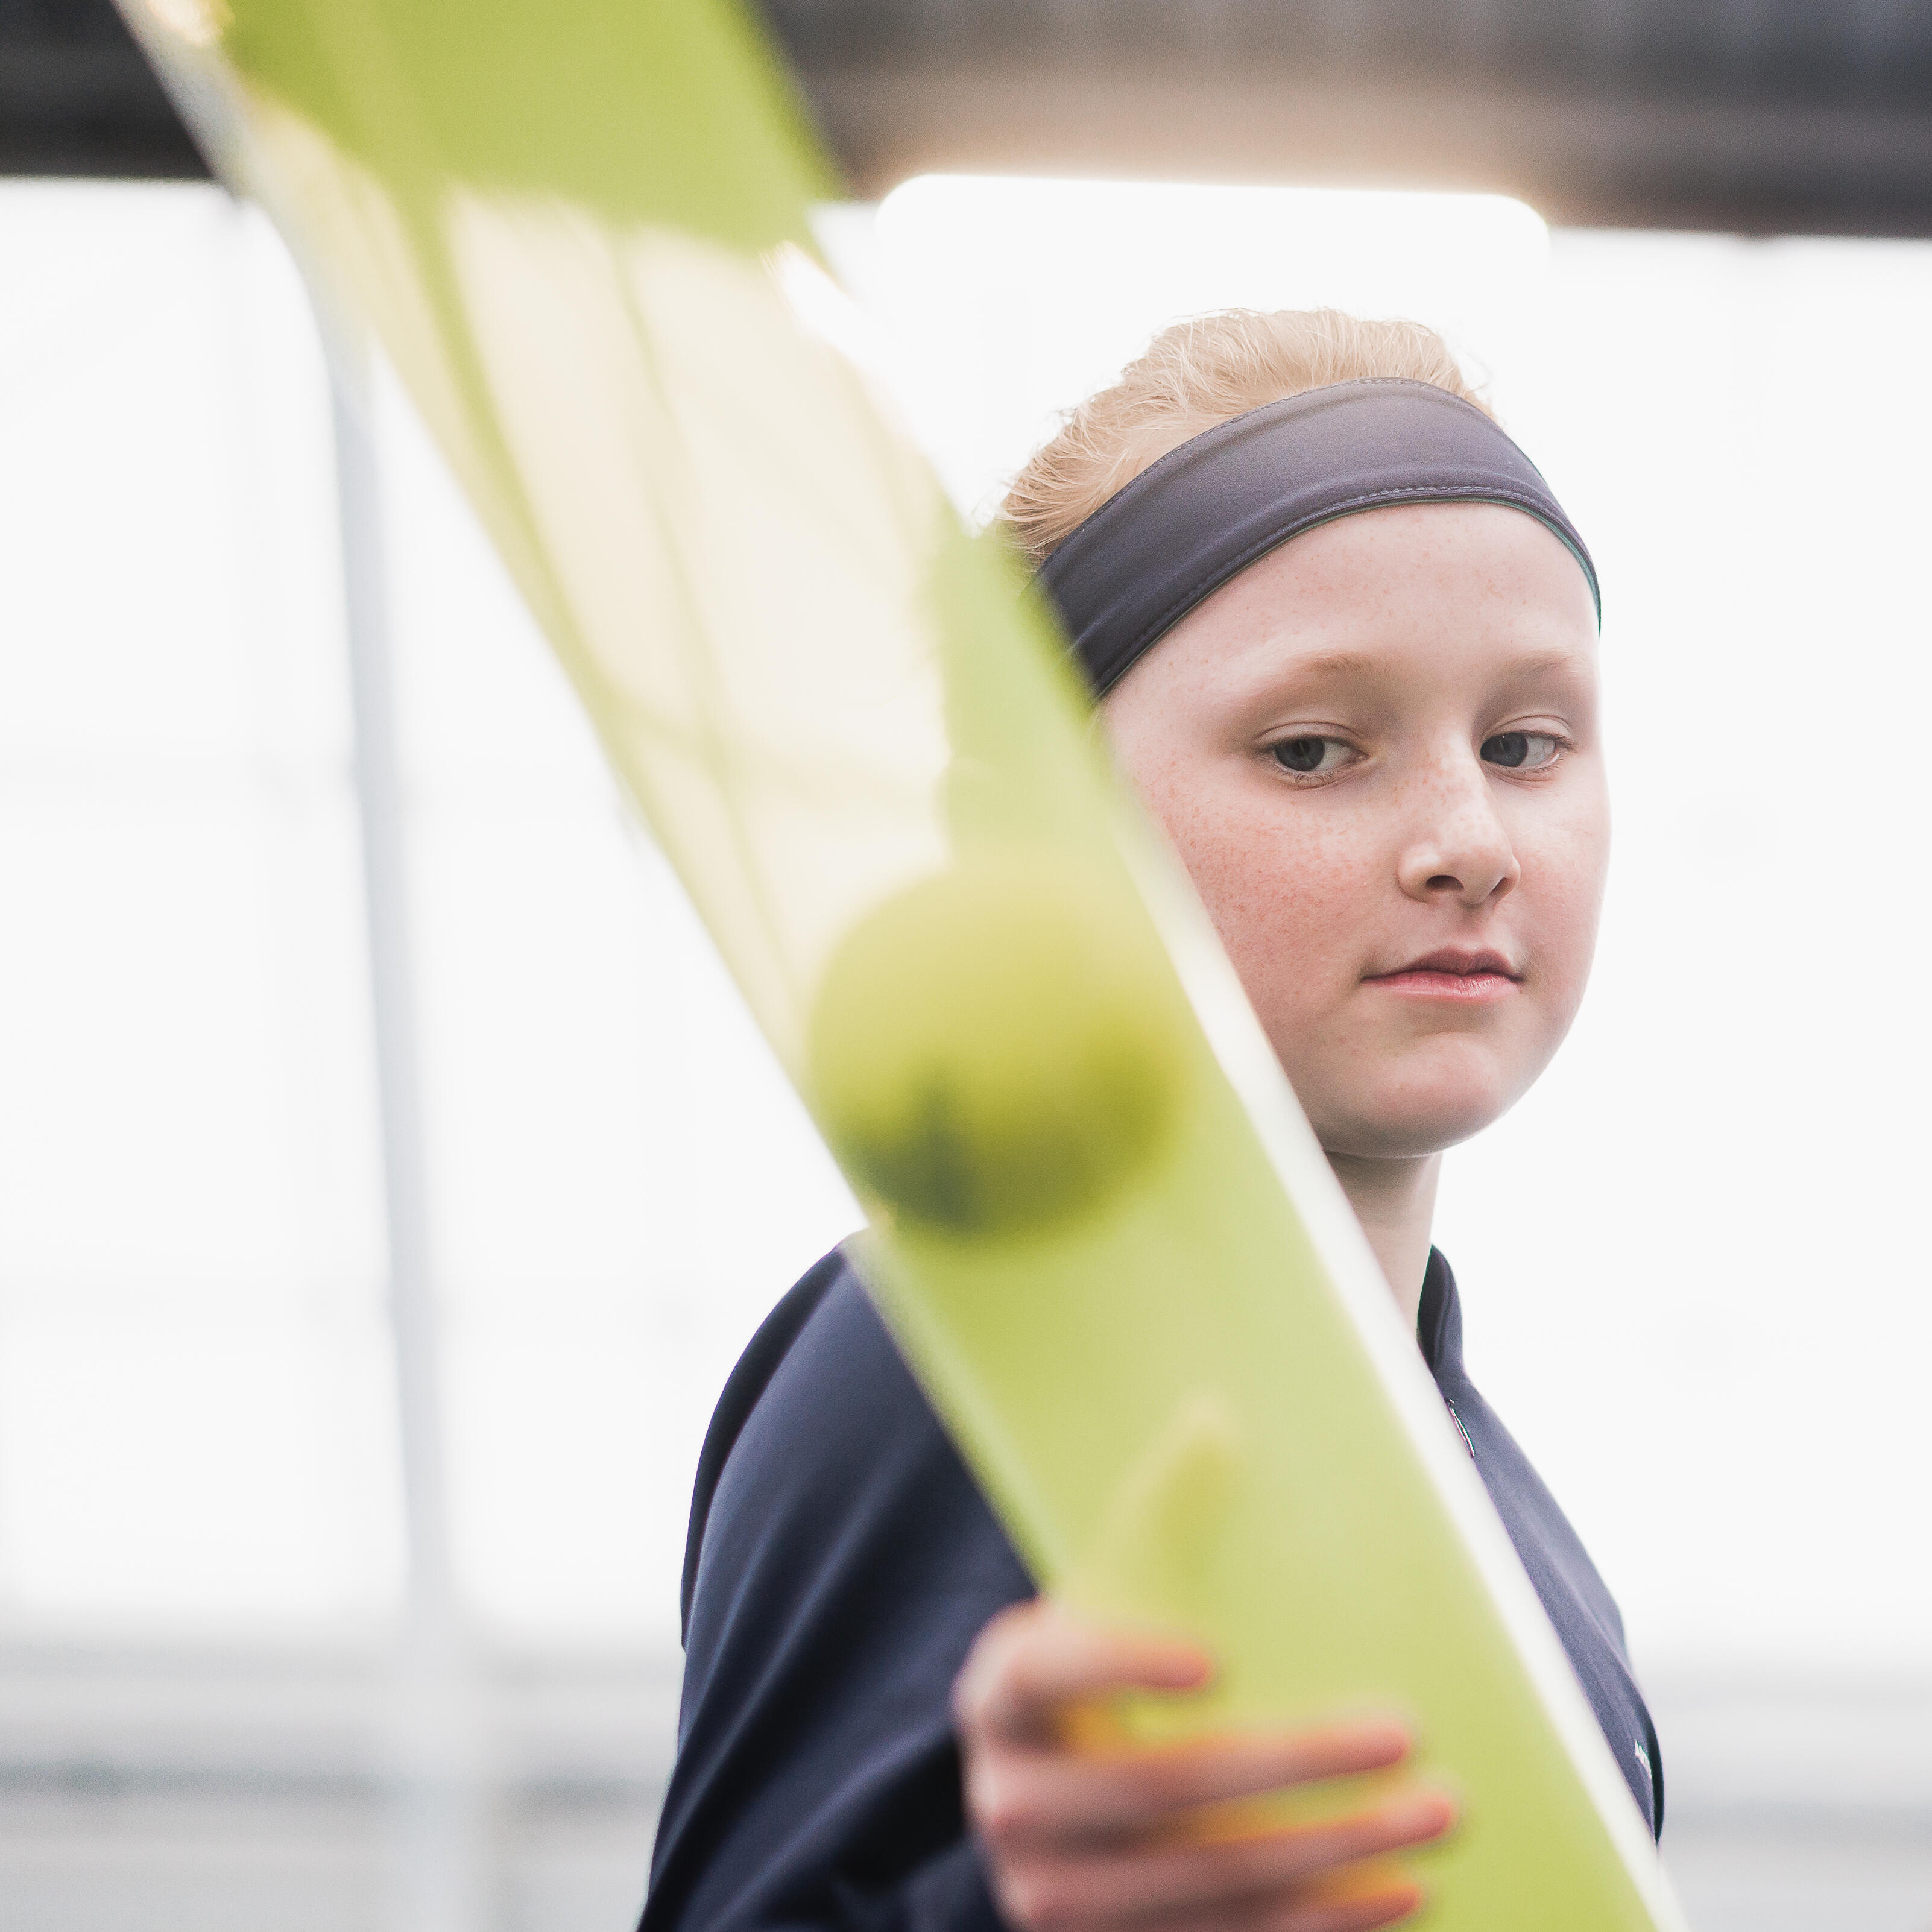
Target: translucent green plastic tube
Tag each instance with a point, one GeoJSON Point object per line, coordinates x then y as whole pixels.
{"type": "Point", "coordinates": [1101, 1230]}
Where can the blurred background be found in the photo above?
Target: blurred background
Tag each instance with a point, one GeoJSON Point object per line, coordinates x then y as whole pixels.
{"type": "Point", "coordinates": [389, 1176]}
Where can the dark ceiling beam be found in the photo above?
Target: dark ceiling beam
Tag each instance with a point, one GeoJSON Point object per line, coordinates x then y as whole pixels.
{"type": "Point", "coordinates": [1766, 116]}
{"type": "Point", "coordinates": [1759, 116]}
{"type": "Point", "coordinates": [77, 98]}
{"type": "Point", "coordinates": [1615, 160]}
{"type": "Point", "coordinates": [1857, 52]}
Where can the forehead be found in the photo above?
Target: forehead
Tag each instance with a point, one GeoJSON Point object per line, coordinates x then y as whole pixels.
{"type": "Point", "coordinates": [1435, 589]}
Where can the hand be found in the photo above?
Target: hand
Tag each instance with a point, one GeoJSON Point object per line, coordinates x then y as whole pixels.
{"type": "Point", "coordinates": [1077, 1840]}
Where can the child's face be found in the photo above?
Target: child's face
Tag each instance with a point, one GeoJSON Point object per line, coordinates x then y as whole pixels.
{"type": "Point", "coordinates": [1377, 750]}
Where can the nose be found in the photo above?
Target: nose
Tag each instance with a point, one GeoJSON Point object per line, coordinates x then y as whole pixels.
{"type": "Point", "coordinates": [1460, 847]}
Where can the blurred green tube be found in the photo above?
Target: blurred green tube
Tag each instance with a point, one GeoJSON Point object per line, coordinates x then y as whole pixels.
{"type": "Point", "coordinates": [1101, 1229]}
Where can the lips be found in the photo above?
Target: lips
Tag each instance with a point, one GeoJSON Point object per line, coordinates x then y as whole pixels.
{"type": "Point", "coordinates": [1453, 973]}
{"type": "Point", "coordinates": [1462, 964]}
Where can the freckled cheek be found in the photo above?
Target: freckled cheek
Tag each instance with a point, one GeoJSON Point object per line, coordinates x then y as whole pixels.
{"type": "Point", "coordinates": [1565, 884]}
{"type": "Point", "coordinates": [1284, 899]}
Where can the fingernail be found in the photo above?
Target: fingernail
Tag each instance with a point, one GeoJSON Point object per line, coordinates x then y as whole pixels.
{"type": "Point", "coordinates": [1384, 1735]}
{"type": "Point", "coordinates": [1428, 1811]}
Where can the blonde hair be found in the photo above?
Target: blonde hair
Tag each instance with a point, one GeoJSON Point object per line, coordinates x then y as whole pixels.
{"type": "Point", "coordinates": [1193, 375]}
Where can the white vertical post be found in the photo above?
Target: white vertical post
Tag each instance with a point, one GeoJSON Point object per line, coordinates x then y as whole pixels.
{"type": "Point", "coordinates": [436, 1741]}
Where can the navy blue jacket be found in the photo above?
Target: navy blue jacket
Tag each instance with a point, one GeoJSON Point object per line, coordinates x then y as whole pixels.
{"type": "Point", "coordinates": [841, 1562]}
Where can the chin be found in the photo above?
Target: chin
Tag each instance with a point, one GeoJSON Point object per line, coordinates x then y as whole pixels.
{"type": "Point", "coordinates": [1416, 1109]}
{"type": "Point", "coordinates": [1404, 1138]}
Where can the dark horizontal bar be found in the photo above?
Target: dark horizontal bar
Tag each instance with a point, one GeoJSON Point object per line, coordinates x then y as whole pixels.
{"type": "Point", "coordinates": [1609, 159]}
{"type": "Point", "coordinates": [1761, 116]}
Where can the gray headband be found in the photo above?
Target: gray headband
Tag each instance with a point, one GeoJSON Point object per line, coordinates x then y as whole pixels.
{"type": "Point", "coordinates": [1225, 498]}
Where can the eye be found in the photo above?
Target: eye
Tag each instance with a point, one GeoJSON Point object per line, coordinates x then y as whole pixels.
{"type": "Point", "coordinates": [1521, 751]}
{"type": "Point", "coordinates": [1306, 757]}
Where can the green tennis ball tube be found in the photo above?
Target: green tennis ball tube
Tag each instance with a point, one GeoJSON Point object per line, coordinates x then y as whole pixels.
{"type": "Point", "coordinates": [998, 1048]}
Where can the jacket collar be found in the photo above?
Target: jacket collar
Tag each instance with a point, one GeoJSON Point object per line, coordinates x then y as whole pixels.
{"type": "Point", "coordinates": [1438, 1320]}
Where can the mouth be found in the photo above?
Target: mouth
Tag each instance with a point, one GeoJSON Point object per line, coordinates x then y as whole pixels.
{"type": "Point", "coordinates": [1469, 977]}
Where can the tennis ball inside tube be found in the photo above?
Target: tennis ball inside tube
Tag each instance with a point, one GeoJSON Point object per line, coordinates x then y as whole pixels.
{"type": "Point", "coordinates": [998, 1049]}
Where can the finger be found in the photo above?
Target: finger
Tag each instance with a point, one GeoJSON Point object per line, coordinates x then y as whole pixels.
{"type": "Point", "coordinates": [1386, 1906]}
{"type": "Point", "coordinates": [1182, 1883]}
{"type": "Point", "coordinates": [1048, 1796]}
{"type": "Point", "coordinates": [1381, 1897]}
{"type": "Point", "coordinates": [1032, 1660]}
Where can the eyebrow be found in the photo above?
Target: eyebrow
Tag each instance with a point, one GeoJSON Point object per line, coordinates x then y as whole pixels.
{"type": "Point", "coordinates": [1538, 664]}
{"type": "Point", "coordinates": [1286, 683]}
{"type": "Point", "coordinates": [1345, 665]}
{"type": "Point", "coordinates": [1330, 664]}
